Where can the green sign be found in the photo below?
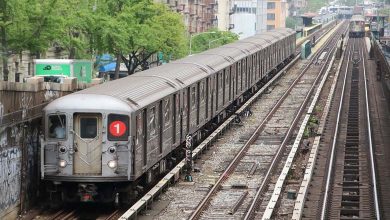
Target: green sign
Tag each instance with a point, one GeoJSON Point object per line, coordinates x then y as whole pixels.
{"type": "Point", "coordinates": [52, 69]}
{"type": "Point", "coordinates": [83, 71]}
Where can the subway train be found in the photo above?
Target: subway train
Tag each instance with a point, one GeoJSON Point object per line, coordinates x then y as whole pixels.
{"type": "Point", "coordinates": [357, 26]}
{"type": "Point", "coordinates": [107, 142]}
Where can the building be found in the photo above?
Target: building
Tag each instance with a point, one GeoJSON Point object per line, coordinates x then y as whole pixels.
{"type": "Point", "coordinates": [198, 15]}
{"type": "Point", "coordinates": [256, 16]}
{"type": "Point", "coordinates": [277, 11]}
{"type": "Point", "coordinates": [244, 18]}
{"type": "Point", "coordinates": [224, 14]}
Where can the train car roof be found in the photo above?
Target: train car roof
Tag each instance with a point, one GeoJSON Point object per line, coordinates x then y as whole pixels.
{"type": "Point", "coordinates": [183, 73]}
{"type": "Point", "coordinates": [138, 90]}
{"type": "Point", "coordinates": [357, 18]}
{"type": "Point", "coordinates": [214, 62]}
{"type": "Point", "coordinates": [78, 102]}
{"type": "Point", "coordinates": [144, 88]}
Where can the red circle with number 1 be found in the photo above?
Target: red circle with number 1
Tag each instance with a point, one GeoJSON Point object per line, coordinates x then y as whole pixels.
{"type": "Point", "coordinates": [117, 128]}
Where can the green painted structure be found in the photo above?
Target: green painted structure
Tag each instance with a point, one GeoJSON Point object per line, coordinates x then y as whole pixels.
{"type": "Point", "coordinates": [305, 49]}
{"type": "Point", "coordinates": [81, 69]}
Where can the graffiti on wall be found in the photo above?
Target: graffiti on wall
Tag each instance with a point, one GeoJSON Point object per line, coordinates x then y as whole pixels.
{"type": "Point", "coordinates": [10, 162]}
{"type": "Point", "coordinates": [50, 94]}
{"type": "Point", "coordinates": [25, 104]}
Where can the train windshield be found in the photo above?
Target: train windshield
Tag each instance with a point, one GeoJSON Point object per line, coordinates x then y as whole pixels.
{"type": "Point", "coordinates": [57, 126]}
{"type": "Point", "coordinates": [88, 127]}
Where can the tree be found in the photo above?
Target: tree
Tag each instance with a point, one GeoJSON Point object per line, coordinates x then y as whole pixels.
{"type": "Point", "coordinates": [218, 38]}
{"type": "Point", "coordinates": [154, 29]}
{"type": "Point", "coordinates": [4, 23]}
{"type": "Point", "coordinates": [44, 25]}
{"type": "Point", "coordinates": [292, 22]}
{"type": "Point", "coordinates": [77, 27]}
{"type": "Point", "coordinates": [132, 30]}
{"type": "Point", "coordinates": [314, 5]}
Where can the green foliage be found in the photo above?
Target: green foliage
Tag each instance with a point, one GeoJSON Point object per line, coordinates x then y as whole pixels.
{"type": "Point", "coordinates": [134, 28]}
{"type": "Point", "coordinates": [292, 22]}
{"type": "Point", "coordinates": [201, 42]}
{"type": "Point", "coordinates": [315, 5]}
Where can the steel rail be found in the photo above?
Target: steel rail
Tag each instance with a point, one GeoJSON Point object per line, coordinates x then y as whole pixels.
{"type": "Point", "coordinates": [373, 173]}
{"type": "Point", "coordinates": [330, 169]}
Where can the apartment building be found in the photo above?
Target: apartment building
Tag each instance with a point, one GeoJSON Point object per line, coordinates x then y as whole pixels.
{"type": "Point", "coordinates": [244, 18]}
{"type": "Point", "coordinates": [277, 11]}
{"type": "Point", "coordinates": [256, 16]}
{"type": "Point", "coordinates": [198, 15]}
{"type": "Point", "coordinates": [224, 14]}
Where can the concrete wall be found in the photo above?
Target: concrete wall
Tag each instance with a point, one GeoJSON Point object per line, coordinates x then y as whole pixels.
{"type": "Point", "coordinates": [15, 142]}
{"type": "Point", "coordinates": [224, 8]}
{"type": "Point", "coordinates": [21, 107]}
{"type": "Point", "coordinates": [22, 64]}
{"type": "Point", "coordinates": [244, 18]}
{"type": "Point", "coordinates": [383, 68]}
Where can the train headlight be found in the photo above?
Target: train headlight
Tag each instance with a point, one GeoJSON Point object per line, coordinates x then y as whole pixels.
{"type": "Point", "coordinates": [62, 163]}
{"type": "Point", "coordinates": [112, 150]}
{"type": "Point", "coordinates": [62, 149]}
{"type": "Point", "coordinates": [112, 164]}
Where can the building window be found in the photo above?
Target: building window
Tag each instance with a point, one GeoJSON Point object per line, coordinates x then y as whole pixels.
{"type": "Point", "coordinates": [270, 16]}
{"type": "Point", "coordinates": [270, 27]}
{"type": "Point", "coordinates": [270, 5]}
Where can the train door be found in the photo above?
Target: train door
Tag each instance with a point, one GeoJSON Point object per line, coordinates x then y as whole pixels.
{"type": "Point", "coordinates": [220, 87]}
{"type": "Point", "coordinates": [243, 74]}
{"type": "Point", "coordinates": [226, 94]}
{"type": "Point", "coordinates": [207, 98]}
{"type": "Point", "coordinates": [254, 68]}
{"type": "Point", "coordinates": [184, 115]}
{"type": "Point", "coordinates": [87, 158]}
{"type": "Point", "coordinates": [166, 124]}
{"type": "Point", "coordinates": [175, 106]}
{"type": "Point", "coordinates": [232, 82]}
{"type": "Point", "coordinates": [212, 89]}
{"type": "Point", "coordinates": [198, 102]}
{"type": "Point", "coordinates": [140, 142]}
{"type": "Point", "coordinates": [239, 77]}
{"type": "Point", "coordinates": [217, 96]}
{"type": "Point", "coordinates": [160, 127]}
{"type": "Point", "coordinates": [188, 108]}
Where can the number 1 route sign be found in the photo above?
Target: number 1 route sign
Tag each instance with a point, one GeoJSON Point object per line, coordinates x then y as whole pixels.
{"type": "Point", "coordinates": [117, 128]}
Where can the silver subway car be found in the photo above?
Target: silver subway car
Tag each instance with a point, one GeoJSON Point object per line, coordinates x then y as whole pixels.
{"type": "Point", "coordinates": [106, 141]}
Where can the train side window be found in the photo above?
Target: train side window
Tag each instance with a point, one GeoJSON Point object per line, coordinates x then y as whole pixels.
{"type": "Point", "coordinates": [118, 127]}
{"type": "Point", "coordinates": [193, 96]}
{"type": "Point", "coordinates": [139, 128]}
{"type": "Point", "coordinates": [167, 113]}
{"type": "Point", "coordinates": [57, 126]}
{"type": "Point", "coordinates": [221, 80]}
{"type": "Point", "coordinates": [88, 127]}
{"type": "Point", "coordinates": [202, 97]}
{"type": "Point", "coordinates": [152, 121]}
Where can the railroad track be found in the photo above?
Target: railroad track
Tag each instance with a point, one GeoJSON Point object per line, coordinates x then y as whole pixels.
{"type": "Point", "coordinates": [232, 148]}
{"type": "Point", "coordinates": [379, 110]}
{"type": "Point", "coordinates": [294, 98]}
{"type": "Point", "coordinates": [345, 177]}
{"type": "Point", "coordinates": [64, 214]}
{"type": "Point", "coordinates": [353, 183]}
{"type": "Point", "coordinates": [81, 212]}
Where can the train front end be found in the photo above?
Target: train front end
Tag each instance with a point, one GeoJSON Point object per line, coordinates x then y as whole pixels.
{"type": "Point", "coordinates": [357, 28]}
{"type": "Point", "coordinates": [86, 148]}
